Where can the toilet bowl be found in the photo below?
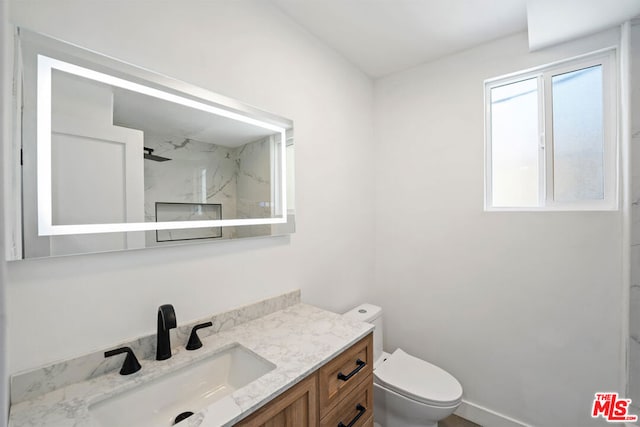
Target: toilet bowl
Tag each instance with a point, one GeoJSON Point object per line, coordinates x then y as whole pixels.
{"type": "Point", "coordinates": [408, 391]}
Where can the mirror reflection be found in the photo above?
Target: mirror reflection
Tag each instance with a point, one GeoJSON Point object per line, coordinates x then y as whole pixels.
{"type": "Point", "coordinates": [126, 163]}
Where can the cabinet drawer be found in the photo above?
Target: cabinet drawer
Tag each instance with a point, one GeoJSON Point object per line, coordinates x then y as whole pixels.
{"type": "Point", "coordinates": [355, 408]}
{"type": "Point", "coordinates": [341, 375]}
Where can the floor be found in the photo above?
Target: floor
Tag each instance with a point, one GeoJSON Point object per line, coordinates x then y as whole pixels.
{"type": "Point", "coordinates": [456, 421]}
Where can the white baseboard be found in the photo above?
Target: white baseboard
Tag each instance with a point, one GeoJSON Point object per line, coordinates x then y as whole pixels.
{"type": "Point", "coordinates": [486, 417]}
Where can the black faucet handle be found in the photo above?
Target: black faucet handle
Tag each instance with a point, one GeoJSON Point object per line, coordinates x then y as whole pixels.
{"type": "Point", "coordinates": [130, 365]}
{"type": "Point", "coordinates": [194, 341]}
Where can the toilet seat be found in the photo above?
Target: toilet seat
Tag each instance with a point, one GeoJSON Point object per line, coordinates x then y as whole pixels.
{"type": "Point", "coordinates": [418, 380]}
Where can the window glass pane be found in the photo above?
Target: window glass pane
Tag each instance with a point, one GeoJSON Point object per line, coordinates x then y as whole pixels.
{"type": "Point", "coordinates": [514, 144]}
{"type": "Point", "coordinates": [578, 136]}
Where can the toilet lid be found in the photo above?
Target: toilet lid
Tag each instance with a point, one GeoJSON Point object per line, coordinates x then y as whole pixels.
{"type": "Point", "coordinates": [418, 380]}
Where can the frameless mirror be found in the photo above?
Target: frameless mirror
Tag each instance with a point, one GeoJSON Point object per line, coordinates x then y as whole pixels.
{"type": "Point", "coordinates": [116, 157]}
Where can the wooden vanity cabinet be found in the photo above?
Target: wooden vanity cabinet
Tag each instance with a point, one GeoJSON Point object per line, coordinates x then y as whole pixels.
{"type": "Point", "coordinates": [339, 394]}
{"type": "Point", "coordinates": [297, 406]}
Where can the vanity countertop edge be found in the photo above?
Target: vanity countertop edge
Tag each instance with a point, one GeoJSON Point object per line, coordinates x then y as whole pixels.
{"type": "Point", "coordinates": [297, 340]}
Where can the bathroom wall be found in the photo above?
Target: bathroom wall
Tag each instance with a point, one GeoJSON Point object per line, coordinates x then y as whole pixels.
{"type": "Point", "coordinates": [523, 308]}
{"type": "Point", "coordinates": [248, 50]}
{"type": "Point", "coordinates": [5, 119]}
{"type": "Point", "coordinates": [634, 309]}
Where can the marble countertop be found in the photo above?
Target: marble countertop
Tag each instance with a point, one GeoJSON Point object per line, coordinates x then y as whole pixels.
{"type": "Point", "coordinates": [297, 340]}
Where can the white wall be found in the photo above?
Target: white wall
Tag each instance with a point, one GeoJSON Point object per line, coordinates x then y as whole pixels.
{"type": "Point", "coordinates": [634, 310]}
{"type": "Point", "coordinates": [5, 117]}
{"type": "Point", "coordinates": [250, 51]}
{"type": "Point", "coordinates": [523, 308]}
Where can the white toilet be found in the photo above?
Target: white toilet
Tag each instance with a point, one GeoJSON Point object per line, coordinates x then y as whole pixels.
{"type": "Point", "coordinates": [408, 392]}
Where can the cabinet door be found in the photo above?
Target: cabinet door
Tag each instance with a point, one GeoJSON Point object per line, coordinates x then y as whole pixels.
{"type": "Point", "coordinates": [296, 407]}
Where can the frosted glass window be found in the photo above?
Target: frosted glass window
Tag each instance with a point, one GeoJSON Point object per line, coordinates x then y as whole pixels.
{"type": "Point", "coordinates": [578, 135]}
{"type": "Point", "coordinates": [514, 140]}
{"type": "Point", "coordinates": [551, 140]}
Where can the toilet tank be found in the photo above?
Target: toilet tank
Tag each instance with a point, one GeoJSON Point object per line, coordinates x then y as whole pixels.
{"type": "Point", "coordinates": [370, 313]}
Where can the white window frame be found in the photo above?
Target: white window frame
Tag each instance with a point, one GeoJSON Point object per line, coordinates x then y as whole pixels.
{"type": "Point", "coordinates": [607, 59]}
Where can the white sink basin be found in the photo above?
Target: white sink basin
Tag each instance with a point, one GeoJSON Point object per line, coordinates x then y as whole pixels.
{"type": "Point", "coordinates": [208, 382]}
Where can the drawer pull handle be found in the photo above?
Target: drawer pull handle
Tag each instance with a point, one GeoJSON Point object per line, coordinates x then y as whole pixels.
{"type": "Point", "coordinates": [361, 410]}
{"type": "Point", "coordinates": [344, 377]}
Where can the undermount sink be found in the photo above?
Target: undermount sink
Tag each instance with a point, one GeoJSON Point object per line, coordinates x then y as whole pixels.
{"type": "Point", "coordinates": [189, 389]}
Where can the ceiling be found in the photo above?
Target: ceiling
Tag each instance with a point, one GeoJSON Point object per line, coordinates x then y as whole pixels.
{"type": "Point", "coordinates": [548, 23]}
{"type": "Point", "coordinates": [385, 36]}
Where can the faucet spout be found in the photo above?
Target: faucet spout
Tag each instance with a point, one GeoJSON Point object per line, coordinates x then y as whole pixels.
{"type": "Point", "coordinates": [166, 322]}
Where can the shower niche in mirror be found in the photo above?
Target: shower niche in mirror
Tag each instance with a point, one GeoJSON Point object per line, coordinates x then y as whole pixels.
{"type": "Point", "coordinates": [116, 157]}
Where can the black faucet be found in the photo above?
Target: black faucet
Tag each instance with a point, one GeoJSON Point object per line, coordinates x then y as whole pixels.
{"type": "Point", "coordinates": [166, 321]}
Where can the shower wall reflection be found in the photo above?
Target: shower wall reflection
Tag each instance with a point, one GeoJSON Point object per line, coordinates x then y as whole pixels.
{"type": "Point", "coordinates": [237, 178]}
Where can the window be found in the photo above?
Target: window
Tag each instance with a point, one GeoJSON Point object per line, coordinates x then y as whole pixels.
{"type": "Point", "coordinates": [551, 137]}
